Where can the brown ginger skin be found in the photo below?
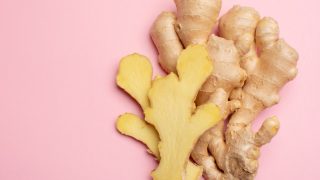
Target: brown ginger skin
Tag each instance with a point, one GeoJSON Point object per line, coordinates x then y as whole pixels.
{"type": "Point", "coordinates": [195, 20]}
{"type": "Point", "coordinates": [276, 66]}
{"type": "Point", "coordinates": [239, 24]}
{"type": "Point", "coordinates": [244, 20]}
{"type": "Point", "coordinates": [200, 152]}
{"type": "Point", "coordinates": [234, 154]}
{"type": "Point", "coordinates": [166, 40]}
{"type": "Point", "coordinates": [227, 74]}
{"type": "Point", "coordinates": [172, 33]}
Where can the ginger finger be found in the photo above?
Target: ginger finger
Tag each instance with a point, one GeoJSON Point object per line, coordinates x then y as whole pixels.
{"type": "Point", "coordinates": [134, 77]}
{"type": "Point", "coordinates": [166, 40]}
{"type": "Point", "coordinates": [195, 20]}
{"type": "Point", "coordinates": [239, 25]}
{"type": "Point", "coordinates": [268, 130]}
{"type": "Point", "coordinates": [228, 74]}
{"type": "Point", "coordinates": [131, 125]}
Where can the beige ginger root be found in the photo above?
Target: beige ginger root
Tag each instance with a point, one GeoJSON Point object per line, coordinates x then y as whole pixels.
{"type": "Point", "coordinates": [171, 108]}
{"type": "Point", "coordinates": [227, 74]}
{"type": "Point", "coordinates": [167, 41]}
{"type": "Point", "coordinates": [235, 152]}
{"type": "Point", "coordinates": [239, 24]}
{"type": "Point", "coordinates": [268, 73]}
{"type": "Point", "coordinates": [195, 20]}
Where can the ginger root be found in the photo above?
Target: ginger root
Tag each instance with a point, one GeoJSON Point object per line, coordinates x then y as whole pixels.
{"type": "Point", "coordinates": [241, 31]}
{"type": "Point", "coordinates": [168, 104]}
{"type": "Point", "coordinates": [237, 152]}
{"type": "Point", "coordinates": [228, 74]}
{"type": "Point", "coordinates": [195, 20]}
{"type": "Point", "coordinates": [240, 95]}
{"type": "Point", "coordinates": [167, 41]}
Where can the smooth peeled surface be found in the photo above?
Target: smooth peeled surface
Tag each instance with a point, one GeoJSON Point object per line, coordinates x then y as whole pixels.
{"type": "Point", "coordinates": [132, 77]}
{"type": "Point", "coordinates": [172, 112]}
{"type": "Point", "coordinates": [131, 125]}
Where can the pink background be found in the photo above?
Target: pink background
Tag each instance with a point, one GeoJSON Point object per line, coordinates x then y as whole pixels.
{"type": "Point", "coordinates": [59, 102]}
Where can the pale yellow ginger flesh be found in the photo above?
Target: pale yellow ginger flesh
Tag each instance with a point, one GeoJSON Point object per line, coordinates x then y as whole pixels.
{"type": "Point", "coordinates": [233, 154]}
{"type": "Point", "coordinates": [136, 83]}
{"type": "Point", "coordinates": [134, 76]}
{"type": "Point", "coordinates": [171, 110]}
{"type": "Point", "coordinates": [193, 171]}
{"type": "Point", "coordinates": [131, 125]}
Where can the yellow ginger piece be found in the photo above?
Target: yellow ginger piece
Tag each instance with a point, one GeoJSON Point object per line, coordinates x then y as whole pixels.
{"type": "Point", "coordinates": [131, 125]}
{"type": "Point", "coordinates": [171, 110]}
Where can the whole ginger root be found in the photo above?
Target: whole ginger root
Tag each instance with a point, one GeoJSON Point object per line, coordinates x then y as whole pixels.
{"type": "Point", "coordinates": [237, 152]}
{"type": "Point", "coordinates": [243, 84]}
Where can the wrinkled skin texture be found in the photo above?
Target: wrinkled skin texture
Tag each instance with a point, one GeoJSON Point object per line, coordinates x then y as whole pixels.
{"type": "Point", "coordinates": [243, 92]}
{"type": "Point", "coordinates": [274, 67]}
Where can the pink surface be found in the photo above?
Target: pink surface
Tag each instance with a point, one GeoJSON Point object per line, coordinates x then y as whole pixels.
{"type": "Point", "coordinates": [59, 102]}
